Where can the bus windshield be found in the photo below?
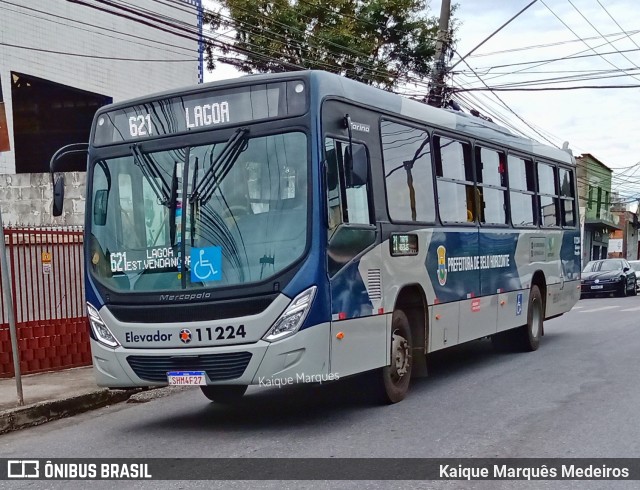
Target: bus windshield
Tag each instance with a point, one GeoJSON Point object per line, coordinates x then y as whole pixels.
{"type": "Point", "coordinates": [216, 215]}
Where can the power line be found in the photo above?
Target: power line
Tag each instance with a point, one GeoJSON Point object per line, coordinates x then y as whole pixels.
{"type": "Point", "coordinates": [145, 13]}
{"type": "Point", "coordinates": [575, 34]}
{"type": "Point", "coordinates": [537, 72]}
{"type": "Point", "coordinates": [49, 14]}
{"type": "Point", "coordinates": [564, 58]}
{"type": "Point", "coordinates": [95, 56]}
{"type": "Point", "coordinates": [616, 22]}
{"type": "Point", "coordinates": [180, 32]}
{"type": "Point", "coordinates": [506, 106]}
{"type": "Point", "coordinates": [557, 43]}
{"type": "Point", "coordinates": [556, 80]}
{"type": "Point", "coordinates": [546, 89]}
{"type": "Point", "coordinates": [596, 29]}
{"type": "Point", "coordinates": [491, 35]}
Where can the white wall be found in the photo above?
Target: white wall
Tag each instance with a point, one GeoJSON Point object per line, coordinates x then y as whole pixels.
{"type": "Point", "coordinates": [58, 25]}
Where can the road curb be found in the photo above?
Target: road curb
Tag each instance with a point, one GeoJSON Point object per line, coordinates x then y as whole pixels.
{"type": "Point", "coordinates": [46, 411]}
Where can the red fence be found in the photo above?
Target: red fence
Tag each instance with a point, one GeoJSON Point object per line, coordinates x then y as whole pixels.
{"type": "Point", "coordinates": [46, 272]}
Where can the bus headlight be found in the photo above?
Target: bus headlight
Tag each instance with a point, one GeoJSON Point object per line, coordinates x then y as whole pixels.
{"type": "Point", "coordinates": [293, 317]}
{"type": "Point", "coordinates": [100, 330]}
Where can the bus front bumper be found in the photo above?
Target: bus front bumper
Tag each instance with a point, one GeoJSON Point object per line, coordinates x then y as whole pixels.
{"type": "Point", "coordinates": [305, 353]}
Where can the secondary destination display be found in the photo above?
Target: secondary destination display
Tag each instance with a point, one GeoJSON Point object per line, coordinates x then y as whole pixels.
{"type": "Point", "coordinates": [402, 244]}
{"type": "Point", "coordinates": [186, 113]}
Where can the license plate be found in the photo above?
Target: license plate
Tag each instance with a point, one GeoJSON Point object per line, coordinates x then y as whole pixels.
{"type": "Point", "coordinates": [597, 287]}
{"type": "Point", "coordinates": [195, 378]}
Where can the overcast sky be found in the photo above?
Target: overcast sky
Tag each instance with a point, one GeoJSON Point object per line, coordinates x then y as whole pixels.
{"type": "Point", "coordinates": [601, 122]}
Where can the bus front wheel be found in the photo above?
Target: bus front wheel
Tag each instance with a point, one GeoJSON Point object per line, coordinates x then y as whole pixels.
{"type": "Point", "coordinates": [395, 378]}
{"type": "Point", "coordinates": [224, 394]}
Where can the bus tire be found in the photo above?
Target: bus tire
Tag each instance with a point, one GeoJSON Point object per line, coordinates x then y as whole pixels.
{"type": "Point", "coordinates": [224, 394]}
{"type": "Point", "coordinates": [530, 333]}
{"type": "Point", "coordinates": [395, 378]}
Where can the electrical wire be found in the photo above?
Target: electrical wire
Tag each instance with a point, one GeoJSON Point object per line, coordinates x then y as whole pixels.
{"type": "Point", "coordinates": [575, 34]}
{"type": "Point", "coordinates": [557, 43]}
{"type": "Point", "coordinates": [609, 42]}
{"type": "Point", "coordinates": [30, 10]}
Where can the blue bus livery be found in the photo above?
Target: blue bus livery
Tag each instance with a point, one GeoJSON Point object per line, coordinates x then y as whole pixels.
{"type": "Point", "coordinates": [302, 226]}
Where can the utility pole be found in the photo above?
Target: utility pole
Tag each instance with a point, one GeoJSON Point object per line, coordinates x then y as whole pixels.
{"type": "Point", "coordinates": [437, 74]}
{"type": "Point", "coordinates": [8, 300]}
{"type": "Point", "coordinates": [4, 268]}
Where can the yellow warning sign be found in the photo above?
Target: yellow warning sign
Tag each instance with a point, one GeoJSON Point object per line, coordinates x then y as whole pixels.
{"type": "Point", "coordinates": [46, 262]}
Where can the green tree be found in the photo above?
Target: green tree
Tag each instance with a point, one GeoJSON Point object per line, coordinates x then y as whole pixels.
{"type": "Point", "coordinates": [378, 42]}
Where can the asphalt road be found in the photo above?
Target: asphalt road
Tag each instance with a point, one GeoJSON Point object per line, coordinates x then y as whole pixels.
{"type": "Point", "coordinates": [577, 396]}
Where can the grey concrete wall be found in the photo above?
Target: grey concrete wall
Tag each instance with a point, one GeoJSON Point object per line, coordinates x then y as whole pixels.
{"type": "Point", "coordinates": [26, 199]}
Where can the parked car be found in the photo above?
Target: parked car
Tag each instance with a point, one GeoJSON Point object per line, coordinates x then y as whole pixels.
{"type": "Point", "coordinates": [635, 265]}
{"type": "Point", "coordinates": [608, 276]}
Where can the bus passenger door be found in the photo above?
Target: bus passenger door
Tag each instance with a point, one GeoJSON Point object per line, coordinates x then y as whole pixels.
{"type": "Point", "coordinates": [358, 333]}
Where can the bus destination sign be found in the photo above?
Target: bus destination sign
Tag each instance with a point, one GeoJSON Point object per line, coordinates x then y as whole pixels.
{"type": "Point", "coordinates": [187, 113]}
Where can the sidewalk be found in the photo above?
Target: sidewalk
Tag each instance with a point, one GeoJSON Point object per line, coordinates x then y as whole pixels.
{"type": "Point", "coordinates": [53, 395]}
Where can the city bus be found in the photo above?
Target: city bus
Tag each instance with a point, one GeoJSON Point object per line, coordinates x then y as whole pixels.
{"type": "Point", "coordinates": [303, 227]}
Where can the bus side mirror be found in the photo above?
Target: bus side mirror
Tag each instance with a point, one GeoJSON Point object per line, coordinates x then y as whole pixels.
{"type": "Point", "coordinates": [58, 181]}
{"type": "Point", "coordinates": [58, 195]}
{"type": "Point", "coordinates": [100, 201]}
{"type": "Point", "coordinates": [356, 167]}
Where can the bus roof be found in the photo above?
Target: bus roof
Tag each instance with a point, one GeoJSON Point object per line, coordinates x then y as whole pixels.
{"type": "Point", "coordinates": [330, 84]}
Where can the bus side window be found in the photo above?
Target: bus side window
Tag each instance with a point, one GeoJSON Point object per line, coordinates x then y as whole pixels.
{"type": "Point", "coordinates": [356, 183]}
{"type": "Point", "coordinates": [454, 173]}
{"type": "Point", "coordinates": [408, 172]}
{"type": "Point", "coordinates": [347, 186]}
{"type": "Point", "coordinates": [491, 186]}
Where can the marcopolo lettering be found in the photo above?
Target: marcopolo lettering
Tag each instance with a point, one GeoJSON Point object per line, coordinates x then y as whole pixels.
{"type": "Point", "coordinates": [148, 337]}
{"type": "Point", "coordinates": [184, 297]}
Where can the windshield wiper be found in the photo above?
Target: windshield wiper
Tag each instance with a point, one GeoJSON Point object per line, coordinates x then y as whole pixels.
{"type": "Point", "coordinates": [173, 200]}
{"type": "Point", "coordinates": [150, 171]}
{"type": "Point", "coordinates": [220, 167]}
{"type": "Point", "coordinates": [192, 205]}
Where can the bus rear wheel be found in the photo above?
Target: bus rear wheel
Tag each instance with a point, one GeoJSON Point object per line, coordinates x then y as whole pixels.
{"type": "Point", "coordinates": [395, 378]}
{"type": "Point", "coordinates": [531, 332]}
{"type": "Point", "coordinates": [224, 394]}
{"type": "Point", "coordinates": [527, 337]}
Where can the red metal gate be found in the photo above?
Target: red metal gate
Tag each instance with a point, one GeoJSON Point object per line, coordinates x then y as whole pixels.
{"type": "Point", "coordinates": [46, 270]}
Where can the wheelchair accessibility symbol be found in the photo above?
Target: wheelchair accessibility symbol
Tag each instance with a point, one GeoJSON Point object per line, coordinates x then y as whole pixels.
{"type": "Point", "coordinates": [206, 264]}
